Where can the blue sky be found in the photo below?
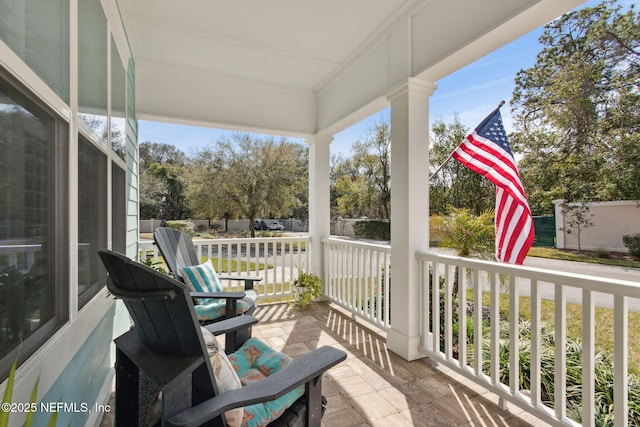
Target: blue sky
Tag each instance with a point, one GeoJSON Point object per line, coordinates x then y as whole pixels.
{"type": "Point", "coordinates": [472, 93]}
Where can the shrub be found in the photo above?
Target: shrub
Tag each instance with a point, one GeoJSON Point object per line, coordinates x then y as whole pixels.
{"type": "Point", "coordinates": [632, 242]}
{"type": "Point", "coordinates": [604, 373]}
{"type": "Point", "coordinates": [184, 226]}
{"type": "Point", "coordinates": [376, 229]}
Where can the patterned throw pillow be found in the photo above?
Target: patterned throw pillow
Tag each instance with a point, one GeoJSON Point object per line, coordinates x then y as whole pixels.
{"type": "Point", "coordinates": [202, 278]}
{"type": "Point", "coordinates": [225, 374]}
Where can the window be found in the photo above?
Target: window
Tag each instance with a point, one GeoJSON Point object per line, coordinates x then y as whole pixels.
{"type": "Point", "coordinates": [118, 101]}
{"type": "Point", "coordinates": [38, 32]}
{"type": "Point", "coordinates": [92, 218]}
{"type": "Point", "coordinates": [33, 222]}
{"type": "Point", "coordinates": [119, 206]}
{"type": "Point", "coordinates": [93, 68]}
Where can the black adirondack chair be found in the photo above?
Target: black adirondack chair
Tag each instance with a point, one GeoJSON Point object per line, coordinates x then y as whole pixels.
{"type": "Point", "coordinates": [166, 345]}
{"type": "Point", "coordinates": [178, 251]}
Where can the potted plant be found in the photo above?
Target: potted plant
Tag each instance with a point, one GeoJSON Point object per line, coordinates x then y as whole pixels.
{"type": "Point", "coordinates": [306, 287]}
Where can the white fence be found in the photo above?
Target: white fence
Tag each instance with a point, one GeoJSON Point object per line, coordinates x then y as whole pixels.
{"type": "Point", "coordinates": [357, 277]}
{"type": "Point", "coordinates": [488, 282]}
{"type": "Point", "coordinates": [277, 260]}
{"type": "Point", "coordinates": [487, 342]}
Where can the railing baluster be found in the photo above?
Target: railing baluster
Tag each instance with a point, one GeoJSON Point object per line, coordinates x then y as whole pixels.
{"type": "Point", "coordinates": [560, 376]}
{"type": "Point", "coordinates": [620, 360]}
{"type": "Point", "coordinates": [477, 323]}
{"type": "Point", "coordinates": [514, 337]}
{"type": "Point", "coordinates": [387, 294]}
{"type": "Point", "coordinates": [588, 359]}
{"type": "Point", "coordinates": [366, 298]}
{"type": "Point", "coordinates": [448, 315]}
{"type": "Point", "coordinates": [495, 329]}
{"type": "Point", "coordinates": [535, 344]}
{"type": "Point", "coordinates": [462, 317]}
{"type": "Point", "coordinates": [435, 304]}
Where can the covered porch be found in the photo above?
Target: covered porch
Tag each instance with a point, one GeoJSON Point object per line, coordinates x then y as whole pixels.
{"type": "Point", "coordinates": [307, 70]}
{"type": "Point", "coordinates": [313, 78]}
{"type": "Point", "coordinates": [477, 364]}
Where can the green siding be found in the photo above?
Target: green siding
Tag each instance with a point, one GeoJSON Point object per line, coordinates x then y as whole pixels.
{"type": "Point", "coordinates": [83, 378]}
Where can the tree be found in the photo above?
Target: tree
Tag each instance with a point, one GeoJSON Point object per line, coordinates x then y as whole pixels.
{"type": "Point", "coordinates": [208, 200]}
{"type": "Point", "coordinates": [153, 152]}
{"type": "Point", "coordinates": [469, 234]}
{"type": "Point", "coordinates": [163, 182]}
{"type": "Point", "coordinates": [251, 177]}
{"type": "Point", "coordinates": [575, 113]}
{"type": "Point", "coordinates": [455, 185]}
{"type": "Point", "coordinates": [174, 195]}
{"type": "Point", "coordinates": [363, 182]}
{"type": "Point", "coordinates": [577, 218]}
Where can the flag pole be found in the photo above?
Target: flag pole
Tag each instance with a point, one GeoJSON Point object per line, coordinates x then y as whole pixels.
{"type": "Point", "coordinates": [451, 154]}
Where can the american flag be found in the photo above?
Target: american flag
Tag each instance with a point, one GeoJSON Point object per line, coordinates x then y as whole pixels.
{"type": "Point", "coordinates": [486, 151]}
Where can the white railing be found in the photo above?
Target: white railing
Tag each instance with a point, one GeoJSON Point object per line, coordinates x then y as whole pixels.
{"type": "Point", "coordinates": [502, 289]}
{"type": "Point", "coordinates": [21, 256]}
{"type": "Point", "coordinates": [356, 277]}
{"type": "Point", "coordinates": [278, 260]}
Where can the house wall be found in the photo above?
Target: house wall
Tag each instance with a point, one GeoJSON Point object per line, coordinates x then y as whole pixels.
{"type": "Point", "coordinates": [611, 221]}
{"type": "Point", "coordinates": [74, 365]}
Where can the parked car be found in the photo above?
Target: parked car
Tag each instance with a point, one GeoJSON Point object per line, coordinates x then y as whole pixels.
{"type": "Point", "coordinates": [276, 225]}
{"type": "Point", "coordinates": [259, 225]}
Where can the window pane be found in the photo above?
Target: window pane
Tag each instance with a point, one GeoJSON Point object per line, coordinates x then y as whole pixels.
{"type": "Point", "coordinates": [32, 223]}
{"type": "Point", "coordinates": [118, 101]}
{"type": "Point", "coordinates": [119, 206]}
{"type": "Point", "coordinates": [92, 67]}
{"type": "Point", "coordinates": [38, 32]}
{"type": "Point", "coordinates": [92, 218]}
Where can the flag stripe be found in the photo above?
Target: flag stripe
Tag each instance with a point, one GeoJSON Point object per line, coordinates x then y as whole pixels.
{"type": "Point", "coordinates": [496, 170]}
{"type": "Point", "coordinates": [486, 151]}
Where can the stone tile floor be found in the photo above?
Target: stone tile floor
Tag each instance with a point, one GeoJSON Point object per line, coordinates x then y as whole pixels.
{"type": "Point", "coordinates": [374, 386]}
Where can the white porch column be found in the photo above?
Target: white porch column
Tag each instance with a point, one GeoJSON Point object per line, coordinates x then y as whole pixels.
{"type": "Point", "coordinates": [319, 200]}
{"type": "Point", "coordinates": [409, 210]}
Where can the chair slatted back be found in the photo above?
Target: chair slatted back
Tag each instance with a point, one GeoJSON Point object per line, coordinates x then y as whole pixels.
{"type": "Point", "coordinates": [163, 313]}
{"type": "Point", "coordinates": [160, 306]}
{"type": "Point", "coordinates": [177, 249]}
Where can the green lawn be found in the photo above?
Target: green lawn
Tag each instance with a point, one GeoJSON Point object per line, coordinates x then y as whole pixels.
{"type": "Point", "coordinates": [603, 257]}
{"type": "Point", "coordinates": [221, 265]}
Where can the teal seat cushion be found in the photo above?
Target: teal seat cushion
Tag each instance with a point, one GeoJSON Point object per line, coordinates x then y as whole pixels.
{"type": "Point", "coordinates": [212, 308]}
{"type": "Point", "coordinates": [254, 361]}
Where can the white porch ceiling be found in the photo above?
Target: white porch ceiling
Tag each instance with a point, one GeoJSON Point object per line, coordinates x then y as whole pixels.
{"type": "Point", "coordinates": [296, 67]}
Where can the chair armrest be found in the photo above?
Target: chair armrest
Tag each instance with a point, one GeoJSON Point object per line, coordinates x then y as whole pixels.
{"type": "Point", "coordinates": [230, 325]}
{"type": "Point", "coordinates": [298, 372]}
{"type": "Point", "coordinates": [248, 280]}
{"type": "Point", "coordinates": [221, 295]}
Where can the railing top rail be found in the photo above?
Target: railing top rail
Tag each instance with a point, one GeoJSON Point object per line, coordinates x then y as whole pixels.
{"type": "Point", "coordinates": [198, 241]}
{"type": "Point", "coordinates": [249, 239]}
{"type": "Point", "coordinates": [357, 243]}
{"type": "Point", "coordinates": [583, 281]}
